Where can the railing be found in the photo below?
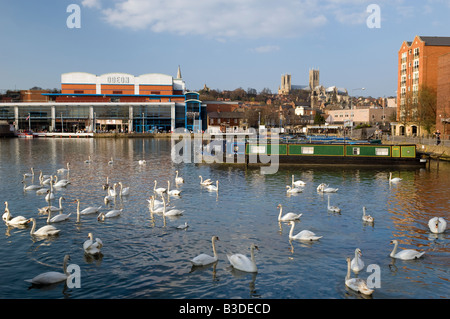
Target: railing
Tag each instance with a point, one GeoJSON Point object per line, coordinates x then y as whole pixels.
{"type": "Point", "coordinates": [427, 139]}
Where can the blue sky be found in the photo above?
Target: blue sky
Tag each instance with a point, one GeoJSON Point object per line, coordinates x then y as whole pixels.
{"type": "Point", "coordinates": [224, 44]}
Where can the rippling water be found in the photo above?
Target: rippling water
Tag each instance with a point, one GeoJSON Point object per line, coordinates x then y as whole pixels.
{"type": "Point", "coordinates": [146, 256]}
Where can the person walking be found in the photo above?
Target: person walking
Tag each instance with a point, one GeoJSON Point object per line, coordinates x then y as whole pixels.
{"type": "Point", "coordinates": [438, 137]}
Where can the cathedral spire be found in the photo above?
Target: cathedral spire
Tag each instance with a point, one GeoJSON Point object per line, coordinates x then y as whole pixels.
{"type": "Point", "coordinates": [179, 73]}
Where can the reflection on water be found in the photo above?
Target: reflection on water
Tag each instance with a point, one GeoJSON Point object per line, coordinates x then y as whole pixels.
{"type": "Point", "coordinates": [146, 256]}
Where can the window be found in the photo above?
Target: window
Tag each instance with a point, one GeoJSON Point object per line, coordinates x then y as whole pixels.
{"type": "Point", "coordinates": [356, 151]}
{"type": "Point", "coordinates": [382, 151]}
{"type": "Point", "coordinates": [78, 92]}
{"type": "Point", "coordinates": [258, 149]}
{"type": "Point", "coordinates": [117, 92]}
{"type": "Point", "coordinates": [307, 150]}
{"type": "Point", "coordinates": [155, 92]}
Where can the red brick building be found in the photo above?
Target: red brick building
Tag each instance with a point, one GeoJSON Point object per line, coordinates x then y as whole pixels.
{"type": "Point", "coordinates": [443, 95]}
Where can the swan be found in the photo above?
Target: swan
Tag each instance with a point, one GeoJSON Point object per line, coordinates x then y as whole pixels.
{"type": "Point", "coordinates": [406, 254]}
{"type": "Point", "coordinates": [92, 247]}
{"type": "Point", "coordinates": [124, 191]}
{"type": "Point", "coordinates": [297, 183]}
{"type": "Point", "coordinates": [288, 216]}
{"type": "Point", "coordinates": [154, 202]}
{"type": "Point", "coordinates": [30, 187]}
{"type": "Point", "coordinates": [14, 221]}
{"type": "Point", "coordinates": [178, 180]}
{"type": "Point", "coordinates": [111, 161]}
{"type": "Point", "coordinates": [108, 197]}
{"type": "Point", "coordinates": [172, 212]}
{"type": "Point", "coordinates": [58, 218]}
{"type": "Point", "coordinates": [159, 190]}
{"type": "Point", "coordinates": [51, 277]}
{"type": "Point", "coordinates": [437, 225]}
{"type": "Point", "coordinates": [47, 230]}
{"type": "Point", "coordinates": [90, 210]}
{"type": "Point", "coordinates": [323, 188]}
{"type": "Point", "coordinates": [112, 213]}
{"type": "Point", "coordinates": [293, 190]}
{"type": "Point", "coordinates": [173, 192]}
{"type": "Point", "coordinates": [394, 180]}
{"type": "Point", "coordinates": [356, 284]}
{"type": "Point", "coordinates": [88, 161]}
{"type": "Point", "coordinates": [64, 170]}
{"type": "Point", "coordinates": [333, 209]}
{"type": "Point", "coordinates": [42, 191]}
{"type": "Point", "coordinates": [205, 259]}
{"type": "Point", "coordinates": [305, 235]}
{"type": "Point", "coordinates": [242, 262]}
{"type": "Point", "coordinates": [142, 162]}
{"type": "Point", "coordinates": [29, 174]}
{"type": "Point", "coordinates": [60, 183]}
{"type": "Point", "coordinates": [49, 195]}
{"type": "Point", "coordinates": [357, 263]}
{"type": "Point", "coordinates": [112, 191]}
{"type": "Point", "coordinates": [205, 182]}
{"type": "Point", "coordinates": [367, 218]}
{"type": "Point", "coordinates": [213, 188]}
{"type": "Point", "coordinates": [43, 210]}
{"type": "Point", "coordinates": [106, 186]}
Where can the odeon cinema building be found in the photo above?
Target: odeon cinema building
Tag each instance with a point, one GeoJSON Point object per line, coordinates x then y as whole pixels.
{"type": "Point", "coordinates": [118, 102]}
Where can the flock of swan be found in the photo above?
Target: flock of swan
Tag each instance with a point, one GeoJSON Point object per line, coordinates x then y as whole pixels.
{"type": "Point", "coordinates": [436, 225]}
{"type": "Point", "coordinates": [93, 246]}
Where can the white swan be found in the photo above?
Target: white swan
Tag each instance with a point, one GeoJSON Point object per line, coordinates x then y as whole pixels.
{"type": "Point", "coordinates": [437, 225]}
{"type": "Point", "coordinates": [159, 190]}
{"type": "Point", "coordinates": [14, 221]}
{"type": "Point", "coordinates": [51, 277]}
{"type": "Point", "coordinates": [90, 210]}
{"type": "Point", "coordinates": [294, 190]}
{"type": "Point", "coordinates": [112, 213]}
{"type": "Point", "coordinates": [357, 263]}
{"type": "Point", "coordinates": [305, 235]}
{"type": "Point", "coordinates": [394, 180]}
{"type": "Point", "coordinates": [142, 162]}
{"type": "Point", "coordinates": [88, 161]}
{"type": "Point", "coordinates": [124, 191]}
{"type": "Point", "coordinates": [178, 180]}
{"type": "Point", "coordinates": [60, 183]}
{"type": "Point", "coordinates": [47, 230]}
{"type": "Point", "coordinates": [287, 217]}
{"type": "Point", "coordinates": [154, 203]}
{"type": "Point", "coordinates": [297, 183]}
{"type": "Point", "coordinates": [43, 210]}
{"type": "Point", "coordinates": [111, 161]}
{"type": "Point", "coordinates": [30, 187]}
{"type": "Point", "coordinates": [106, 185]}
{"type": "Point", "coordinates": [58, 218]}
{"type": "Point", "coordinates": [173, 192]}
{"type": "Point", "coordinates": [92, 247]}
{"type": "Point", "coordinates": [356, 284]}
{"type": "Point", "coordinates": [64, 170]}
{"type": "Point", "coordinates": [29, 174]}
{"type": "Point", "coordinates": [42, 191]}
{"type": "Point", "coordinates": [406, 254]}
{"type": "Point", "coordinates": [112, 191]}
{"type": "Point", "coordinates": [323, 188]}
{"type": "Point", "coordinates": [172, 212]}
{"type": "Point", "coordinates": [49, 195]}
{"type": "Point", "coordinates": [205, 259]}
{"type": "Point", "coordinates": [367, 218]}
{"type": "Point", "coordinates": [242, 262]}
{"type": "Point", "coordinates": [213, 188]}
{"type": "Point", "coordinates": [205, 182]}
{"type": "Point", "coordinates": [333, 209]}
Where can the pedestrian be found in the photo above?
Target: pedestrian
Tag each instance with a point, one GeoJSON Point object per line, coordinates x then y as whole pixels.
{"type": "Point", "coordinates": [438, 137]}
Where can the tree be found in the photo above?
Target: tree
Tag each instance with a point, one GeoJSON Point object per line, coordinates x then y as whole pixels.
{"type": "Point", "coordinates": [319, 119]}
{"type": "Point", "coordinates": [427, 103]}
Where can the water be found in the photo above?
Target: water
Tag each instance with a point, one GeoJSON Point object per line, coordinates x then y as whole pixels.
{"type": "Point", "coordinates": [145, 256]}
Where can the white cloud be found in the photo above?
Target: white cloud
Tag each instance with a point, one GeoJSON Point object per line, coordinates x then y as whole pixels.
{"type": "Point", "coordinates": [91, 4]}
{"type": "Point", "coordinates": [266, 49]}
{"type": "Point", "coordinates": [218, 18]}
